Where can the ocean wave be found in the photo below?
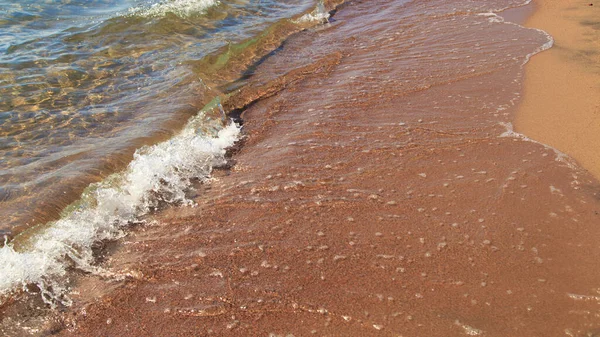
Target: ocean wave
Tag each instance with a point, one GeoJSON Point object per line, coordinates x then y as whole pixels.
{"type": "Point", "coordinates": [181, 8]}
{"type": "Point", "coordinates": [319, 14]}
{"type": "Point", "coordinates": [158, 174]}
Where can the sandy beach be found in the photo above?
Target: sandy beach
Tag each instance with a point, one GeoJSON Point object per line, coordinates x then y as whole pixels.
{"type": "Point", "coordinates": [561, 106]}
{"type": "Point", "coordinates": [379, 191]}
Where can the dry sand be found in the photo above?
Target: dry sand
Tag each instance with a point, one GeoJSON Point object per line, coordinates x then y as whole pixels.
{"type": "Point", "coordinates": [561, 105]}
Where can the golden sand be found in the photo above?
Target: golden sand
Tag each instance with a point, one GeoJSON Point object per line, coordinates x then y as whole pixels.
{"type": "Point", "coordinates": [561, 105]}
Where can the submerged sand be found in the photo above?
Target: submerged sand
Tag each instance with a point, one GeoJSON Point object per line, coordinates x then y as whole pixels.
{"type": "Point", "coordinates": [561, 106]}
{"type": "Point", "coordinates": [379, 191]}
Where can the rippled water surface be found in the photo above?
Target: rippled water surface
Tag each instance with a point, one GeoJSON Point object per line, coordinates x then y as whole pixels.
{"type": "Point", "coordinates": [85, 83]}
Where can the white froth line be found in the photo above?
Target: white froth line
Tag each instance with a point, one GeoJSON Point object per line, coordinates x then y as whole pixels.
{"type": "Point", "coordinates": [164, 167]}
{"type": "Point", "coordinates": [319, 14]}
{"type": "Point", "coordinates": [181, 8]}
{"type": "Point", "coordinates": [525, 3]}
{"type": "Point", "coordinates": [578, 297]}
{"type": "Point", "coordinates": [560, 156]}
{"type": "Point", "coordinates": [495, 18]}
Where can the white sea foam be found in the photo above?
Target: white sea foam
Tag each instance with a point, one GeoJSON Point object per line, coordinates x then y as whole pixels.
{"type": "Point", "coordinates": [159, 173]}
{"type": "Point", "coordinates": [549, 43]}
{"type": "Point", "coordinates": [495, 18]}
{"type": "Point", "coordinates": [515, 5]}
{"type": "Point", "coordinates": [560, 156]}
{"type": "Point", "coordinates": [319, 14]}
{"type": "Point", "coordinates": [181, 8]}
{"type": "Point", "coordinates": [492, 17]}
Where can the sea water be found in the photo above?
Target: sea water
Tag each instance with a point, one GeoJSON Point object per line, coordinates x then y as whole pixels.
{"type": "Point", "coordinates": [109, 108]}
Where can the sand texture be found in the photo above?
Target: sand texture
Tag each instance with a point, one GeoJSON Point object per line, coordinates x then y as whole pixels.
{"type": "Point", "coordinates": [561, 106]}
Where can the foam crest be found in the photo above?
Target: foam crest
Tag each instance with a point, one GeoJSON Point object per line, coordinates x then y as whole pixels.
{"type": "Point", "coordinates": [560, 156]}
{"type": "Point", "coordinates": [549, 44]}
{"type": "Point", "coordinates": [181, 8]}
{"type": "Point", "coordinates": [319, 14]}
{"type": "Point", "coordinates": [495, 18]}
{"type": "Point", "coordinates": [492, 17]}
{"type": "Point", "coordinates": [158, 174]}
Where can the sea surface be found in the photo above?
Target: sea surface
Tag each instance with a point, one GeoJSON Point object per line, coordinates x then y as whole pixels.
{"type": "Point", "coordinates": [85, 83]}
{"type": "Point", "coordinates": [110, 110]}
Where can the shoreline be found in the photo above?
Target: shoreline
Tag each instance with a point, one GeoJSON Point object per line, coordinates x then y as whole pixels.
{"type": "Point", "coordinates": [222, 72]}
{"type": "Point", "coordinates": [414, 218]}
{"type": "Point", "coordinates": [561, 102]}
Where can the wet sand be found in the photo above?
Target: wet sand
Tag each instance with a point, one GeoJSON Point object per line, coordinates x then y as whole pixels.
{"type": "Point", "coordinates": [561, 106]}
{"type": "Point", "coordinates": [377, 192]}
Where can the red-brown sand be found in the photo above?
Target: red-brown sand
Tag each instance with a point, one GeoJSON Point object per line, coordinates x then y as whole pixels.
{"type": "Point", "coordinates": [375, 193]}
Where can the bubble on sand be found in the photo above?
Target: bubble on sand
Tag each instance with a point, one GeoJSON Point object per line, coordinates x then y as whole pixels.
{"type": "Point", "coordinates": [578, 297]}
{"type": "Point", "coordinates": [233, 324]}
{"type": "Point", "coordinates": [555, 190]}
{"type": "Point", "coordinates": [469, 330]}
